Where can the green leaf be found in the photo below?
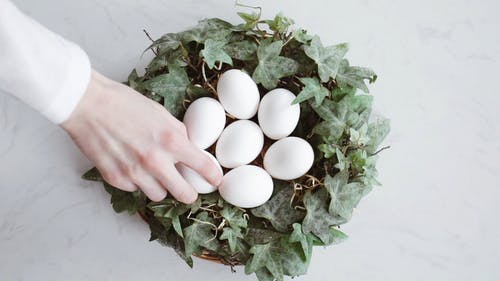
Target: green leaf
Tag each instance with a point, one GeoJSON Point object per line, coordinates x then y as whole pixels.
{"type": "Point", "coordinates": [330, 130]}
{"type": "Point", "coordinates": [305, 240]}
{"type": "Point", "coordinates": [342, 162]}
{"type": "Point", "coordinates": [327, 58]}
{"type": "Point", "coordinates": [328, 149]}
{"type": "Point", "coordinates": [337, 236]}
{"type": "Point", "coordinates": [344, 196]}
{"type": "Point", "coordinates": [359, 137]}
{"type": "Point", "coordinates": [268, 256]}
{"type": "Point", "coordinates": [169, 208]}
{"type": "Point", "coordinates": [234, 216]}
{"type": "Point", "coordinates": [169, 58]}
{"type": "Point", "coordinates": [195, 92]}
{"type": "Point", "coordinates": [213, 52]}
{"type": "Point", "coordinates": [312, 89]}
{"type": "Point", "coordinates": [199, 235]}
{"type": "Point", "coordinates": [278, 209]}
{"type": "Point", "coordinates": [264, 275]}
{"type": "Point", "coordinates": [133, 81]}
{"type": "Point", "coordinates": [318, 220]}
{"type": "Point", "coordinates": [171, 239]}
{"type": "Point", "coordinates": [354, 76]}
{"type": "Point", "coordinates": [271, 65]}
{"type": "Point", "coordinates": [251, 20]}
{"type": "Point", "coordinates": [159, 228]}
{"type": "Point", "coordinates": [255, 235]}
{"type": "Point", "coordinates": [302, 36]}
{"type": "Point", "coordinates": [176, 223]}
{"type": "Point", "coordinates": [339, 93]}
{"type": "Point", "coordinates": [214, 28]}
{"type": "Point", "coordinates": [242, 50]}
{"type": "Point", "coordinates": [167, 42]}
{"type": "Point", "coordinates": [292, 258]}
{"type": "Point", "coordinates": [377, 132]}
{"type": "Point", "coordinates": [92, 175]}
{"type": "Point", "coordinates": [125, 201]}
{"type": "Point", "coordinates": [172, 86]}
{"type": "Point", "coordinates": [280, 23]}
{"type": "Point", "coordinates": [327, 111]}
{"type": "Point", "coordinates": [231, 235]}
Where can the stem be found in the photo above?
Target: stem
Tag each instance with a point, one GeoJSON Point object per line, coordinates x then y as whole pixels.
{"type": "Point", "coordinates": [206, 80]}
{"type": "Point", "coordinates": [149, 36]}
{"type": "Point", "coordinates": [383, 148]}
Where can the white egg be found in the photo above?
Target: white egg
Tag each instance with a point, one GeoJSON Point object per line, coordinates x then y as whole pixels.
{"type": "Point", "coordinates": [277, 116]}
{"type": "Point", "coordinates": [289, 158]}
{"type": "Point", "coordinates": [204, 120]}
{"type": "Point", "coordinates": [196, 180]}
{"type": "Point", "coordinates": [247, 186]}
{"type": "Point", "coordinates": [239, 144]}
{"type": "Point", "coordinates": [238, 93]}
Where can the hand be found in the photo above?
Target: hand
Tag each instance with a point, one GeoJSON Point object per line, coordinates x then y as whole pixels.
{"type": "Point", "coordinates": [135, 142]}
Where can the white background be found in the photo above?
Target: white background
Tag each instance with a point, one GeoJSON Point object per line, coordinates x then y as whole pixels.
{"type": "Point", "coordinates": [434, 218]}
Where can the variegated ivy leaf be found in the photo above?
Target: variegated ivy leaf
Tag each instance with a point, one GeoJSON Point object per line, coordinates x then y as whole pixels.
{"type": "Point", "coordinates": [327, 58]}
{"type": "Point", "coordinates": [171, 86]}
{"type": "Point", "coordinates": [312, 89]}
{"type": "Point", "coordinates": [359, 137]}
{"type": "Point", "coordinates": [199, 235]}
{"type": "Point", "coordinates": [271, 65]}
{"type": "Point", "coordinates": [242, 50]}
{"type": "Point", "coordinates": [213, 52]}
{"type": "Point", "coordinates": [305, 240]}
{"type": "Point", "coordinates": [377, 132]}
{"type": "Point", "coordinates": [280, 23]}
{"type": "Point", "coordinates": [318, 220]}
{"type": "Point", "coordinates": [278, 209]}
{"type": "Point", "coordinates": [302, 36]}
{"type": "Point", "coordinates": [266, 256]}
{"type": "Point", "coordinates": [231, 235]}
{"type": "Point", "coordinates": [234, 216]}
{"type": "Point", "coordinates": [354, 76]}
{"type": "Point", "coordinates": [215, 29]}
{"type": "Point", "coordinates": [251, 19]}
{"type": "Point", "coordinates": [125, 201]}
{"type": "Point", "coordinates": [344, 196]}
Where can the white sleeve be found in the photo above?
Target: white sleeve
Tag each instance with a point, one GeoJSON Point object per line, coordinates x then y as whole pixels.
{"type": "Point", "coordinates": [39, 67]}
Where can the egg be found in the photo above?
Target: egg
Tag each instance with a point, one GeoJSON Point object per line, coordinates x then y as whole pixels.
{"type": "Point", "coordinates": [197, 181]}
{"type": "Point", "coordinates": [238, 93]}
{"type": "Point", "coordinates": [247, 186]}
{"type": "Point", "coordinates": [204, 120]}
{"type": "Point", "coordinates": [239, 144]}
{"type": "Point", "coordinates": [288, 158]}
{"type": "Point", "coordinates": [277, 116]}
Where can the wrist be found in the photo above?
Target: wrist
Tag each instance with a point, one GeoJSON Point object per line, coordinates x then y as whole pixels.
{"type": "Point", "coordinates": [95, 95]}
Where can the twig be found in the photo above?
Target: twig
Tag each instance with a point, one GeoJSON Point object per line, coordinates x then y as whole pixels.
{"type": "Point", "coordinates": [206, 80]}
{"type": "Point", "coordinates": [383, 148]}
{"type": "Point", "coordinates": [149, 36]}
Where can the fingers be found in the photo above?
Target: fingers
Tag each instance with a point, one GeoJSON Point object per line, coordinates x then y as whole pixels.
{"type": "Point", "coordinates": [149, 185]}
{"type": "Point", "coordinates": [199, 161]}
{"type": "Point", "coordinates": [118, 180]}
{"type": "Point", "coordinates": [178, 186]}
{"type": "Point", "coordinates": [161, 166]}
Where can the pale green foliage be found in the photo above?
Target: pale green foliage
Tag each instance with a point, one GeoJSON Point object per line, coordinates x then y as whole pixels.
{"type": "Point", "coordinates": [271, 65]}
{"type": "Point", "coordinates": [276, 238]}
{"type": "Point", "coordinates": [327, 58]}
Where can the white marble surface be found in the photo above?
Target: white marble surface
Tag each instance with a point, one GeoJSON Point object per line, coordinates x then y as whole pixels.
{"type": "Point", "coordinates": [434, 218]}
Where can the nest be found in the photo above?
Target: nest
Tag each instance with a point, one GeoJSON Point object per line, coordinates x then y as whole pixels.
{"type": "Point", "coordinates": [277, 238]}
